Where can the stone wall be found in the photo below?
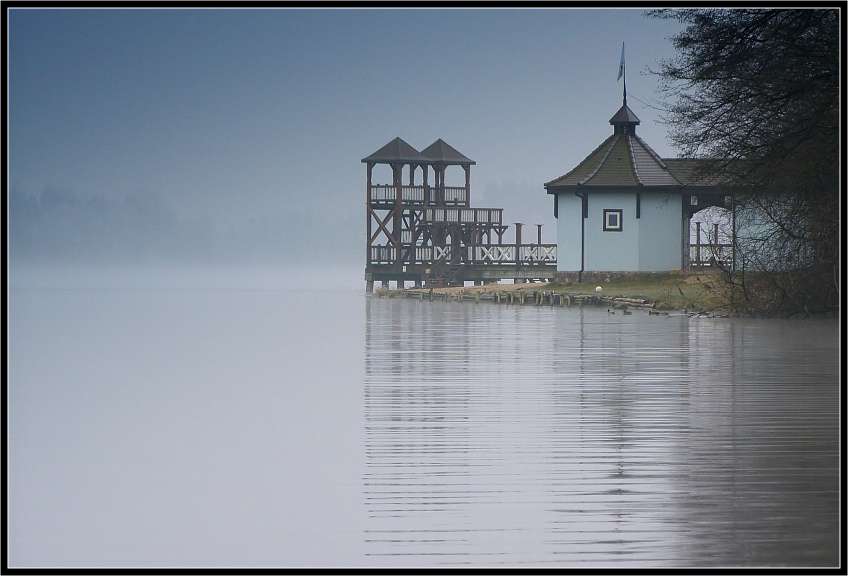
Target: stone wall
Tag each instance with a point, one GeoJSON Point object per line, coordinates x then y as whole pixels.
{"type": "Point", "coordinates": [596, 277]}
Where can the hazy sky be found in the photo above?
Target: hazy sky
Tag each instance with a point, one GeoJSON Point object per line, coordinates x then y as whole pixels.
{"type": "Point", "coordinates": [260, 118]}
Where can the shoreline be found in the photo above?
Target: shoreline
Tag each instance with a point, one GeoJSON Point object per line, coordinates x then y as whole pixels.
{"type": "Point", "coordinates": [535, 294]}
{"type": "Point", "coordinates": [696, 294]}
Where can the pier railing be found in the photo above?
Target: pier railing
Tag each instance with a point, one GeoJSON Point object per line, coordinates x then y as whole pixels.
{"type": "Point", "coordinates": [415, 195]}
{"type": "Point", "coordinates": [463, 216]}
{"type": "Point", "coordinates": [538, 253]}
{"type": "Point", "coordinates": [497, 254]}
{"type": "Point", "coordinates": [506, 254]}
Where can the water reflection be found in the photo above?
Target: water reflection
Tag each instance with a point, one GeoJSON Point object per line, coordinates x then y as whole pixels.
{"type": "Point", "coordinates": [621, 399]}
{"type": "Point", "coordinates": [501, 435]}
{"type": "Point", "coordinates": [764, 453]}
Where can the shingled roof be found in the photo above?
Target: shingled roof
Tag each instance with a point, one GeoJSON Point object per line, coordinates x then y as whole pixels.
{"type": "Point", "coordinates": [621, 160]}
{"type": "Point", "coordinates": [696, 172]}
{"type": "Point", "coordinates": [396, 152]}
{"type": "Point", "coordinates": [399, 152]}
{"type": "Point", "coordinates": [440, 152]}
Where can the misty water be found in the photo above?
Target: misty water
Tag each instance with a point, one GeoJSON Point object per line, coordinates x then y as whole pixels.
{"type": "Point", "coordinates": [244, 418]}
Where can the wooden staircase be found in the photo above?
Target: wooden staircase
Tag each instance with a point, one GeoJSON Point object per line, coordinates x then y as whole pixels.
{"type": "Point", "coordinates": [444, 272]}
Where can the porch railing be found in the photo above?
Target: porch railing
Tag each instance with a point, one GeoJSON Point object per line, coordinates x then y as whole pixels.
{"type": "Point", "coordinates": [455, 194]}
{"type": "Point", "coordinates": [386, 193]}
{"type": "Point", "coordinates": [707, 255]}
{"type": "Point", "coordinates": [415, 194]}
{"type": "Point", "coordinates": [464, 215]}
{"type": "Point", "coordinates": [383, 254]}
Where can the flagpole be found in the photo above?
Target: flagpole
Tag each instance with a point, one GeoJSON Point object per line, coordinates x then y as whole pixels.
{"type": "Point", "coordinates": [622, 72]}
{"type": "Point", "coordinates": [624, 76]}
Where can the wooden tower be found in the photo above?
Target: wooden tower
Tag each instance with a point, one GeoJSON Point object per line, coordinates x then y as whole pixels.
{"type": "Point", "coordinates": [428, 232]}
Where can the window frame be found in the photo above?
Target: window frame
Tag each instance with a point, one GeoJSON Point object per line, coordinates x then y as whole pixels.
{"type": "Point", "coordinates": [613, 212]}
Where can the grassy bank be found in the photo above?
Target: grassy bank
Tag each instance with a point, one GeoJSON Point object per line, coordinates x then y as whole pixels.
{"type": "Point", "coordinates": [691, 292]}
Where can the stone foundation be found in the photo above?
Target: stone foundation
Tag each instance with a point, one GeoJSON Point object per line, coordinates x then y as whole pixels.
{"type": "Point", "coordinates": [601, 277]}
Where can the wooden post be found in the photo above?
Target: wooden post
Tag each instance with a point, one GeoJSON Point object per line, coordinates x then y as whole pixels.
{"type": "Point", "coordinates": [518, 226]}
{"type": "Point", "coordinates": [426, 170]}
{"type": "Point", "coordinates": [370, 168]}
{"type": "Point", "coordinates": [467, 169]}
{"type": "Point", "coordinates": [698, 244]}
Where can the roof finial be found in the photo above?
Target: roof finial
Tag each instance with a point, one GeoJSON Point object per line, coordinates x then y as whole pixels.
{"type": "Point", "coordinates": [621, 72]}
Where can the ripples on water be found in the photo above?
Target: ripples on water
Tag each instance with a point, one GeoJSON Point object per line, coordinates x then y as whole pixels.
{"type": "Point", "coordinates": [236, 421]}
{"type": "Point", "coordinates": [501, 435]}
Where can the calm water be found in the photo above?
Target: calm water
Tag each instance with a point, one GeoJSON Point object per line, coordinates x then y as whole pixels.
{"type": "Point", "coordinates": [233, 420]}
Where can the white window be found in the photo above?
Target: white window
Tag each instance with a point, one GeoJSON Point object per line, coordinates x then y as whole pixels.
{"type": "Point", "coordinates": [612, 220]}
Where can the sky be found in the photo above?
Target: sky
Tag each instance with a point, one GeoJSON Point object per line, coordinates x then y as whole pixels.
{"type": "Point", "coordinates": [191, 133]}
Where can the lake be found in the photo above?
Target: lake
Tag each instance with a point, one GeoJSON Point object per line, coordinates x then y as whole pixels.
{"type": "Point", "coordinates": [244, 418]}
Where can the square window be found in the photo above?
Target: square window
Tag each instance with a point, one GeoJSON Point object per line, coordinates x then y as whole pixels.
{"type": "Point", "coordinates": [612, 220]}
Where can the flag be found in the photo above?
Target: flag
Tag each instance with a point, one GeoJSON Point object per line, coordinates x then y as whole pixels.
{"type": "Point", "coordinates": [621, 64]}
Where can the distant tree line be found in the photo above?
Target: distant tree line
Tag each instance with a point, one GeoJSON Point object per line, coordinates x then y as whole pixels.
{"type": "Point", "coordinates": [756, 92]}
{"type": "Point", "coordinates": [62, 226]}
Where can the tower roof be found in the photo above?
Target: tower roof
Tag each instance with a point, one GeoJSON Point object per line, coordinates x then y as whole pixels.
{"type": "Point", "coordinates": [623, 159]}
{"type": "Point", "coordinates": [625, 116]}
{"type": "Point", "coordinates": [440, 152]}
{"type": "Point", "coordinates": [396, 152]}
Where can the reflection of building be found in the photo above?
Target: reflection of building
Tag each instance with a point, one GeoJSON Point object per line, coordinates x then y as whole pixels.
{"type": "Point", "coordinates": [417, 430]}
{"type": "Point", "coordinates": [455, 403]}
{"type": "Point", "coordinates": [429, 233]}
{"type": "Point", "coordinates": [625, 209]}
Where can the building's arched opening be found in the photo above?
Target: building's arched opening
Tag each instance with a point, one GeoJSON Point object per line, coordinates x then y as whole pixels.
{"type": "Point", "coordinates": [711, 238]}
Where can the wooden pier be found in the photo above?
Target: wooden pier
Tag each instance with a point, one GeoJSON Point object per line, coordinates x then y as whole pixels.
{"type": "Point", "coordinates": [523, 297]}
{"type": "Point", "coordinates": [428, 233]}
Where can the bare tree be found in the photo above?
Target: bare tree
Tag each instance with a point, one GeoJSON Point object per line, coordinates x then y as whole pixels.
{"type": "Point", "coordinates": [757, 93]}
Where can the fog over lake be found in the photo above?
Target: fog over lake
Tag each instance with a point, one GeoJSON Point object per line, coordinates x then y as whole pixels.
{"type": "Point", "coordinates": [280, 417]}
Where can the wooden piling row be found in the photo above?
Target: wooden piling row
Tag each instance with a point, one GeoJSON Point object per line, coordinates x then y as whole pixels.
{"type": "Point", "coordinates": [522, 297]}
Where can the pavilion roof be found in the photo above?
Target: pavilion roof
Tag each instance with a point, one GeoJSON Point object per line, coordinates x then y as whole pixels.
{"type": "Point", "coordinates": [440, 152]}
{"type": "Point", "coordinates": [396, 152]}
{"type": "Point", "coordinates": [621, 160]}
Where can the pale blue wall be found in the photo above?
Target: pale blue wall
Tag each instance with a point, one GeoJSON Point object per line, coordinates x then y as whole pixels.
{"type": "Point", "coordinates": [618, 251]}
{"type": "Point", "coordinates": [661, 233]}
{"type": "Point", "coordinates": [754, 228]}
{"type": "Point", "coordinates": [651, 243]}
{"type": "Point", "coordinates": [568, 233]}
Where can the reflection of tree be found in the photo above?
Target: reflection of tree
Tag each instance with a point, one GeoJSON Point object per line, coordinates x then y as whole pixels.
{"type": "Point", "coordinates": [620, 402]}
{"type": "Point", "coordinates": [762, 452]}
{"type": "Point", "coordinates": [582, 438]}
